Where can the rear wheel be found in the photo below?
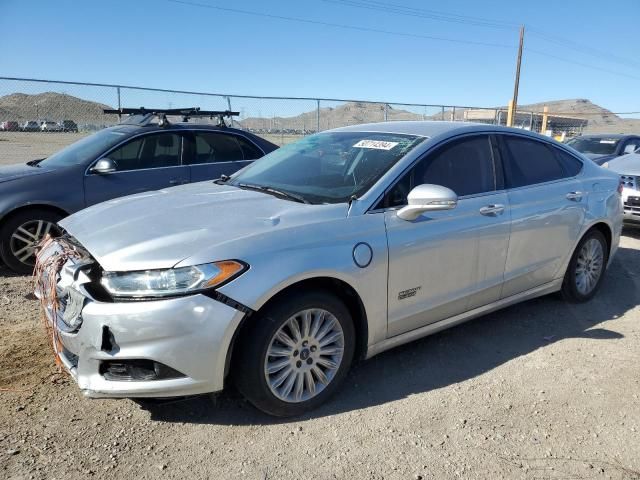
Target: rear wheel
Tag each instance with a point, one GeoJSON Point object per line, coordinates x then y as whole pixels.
{"type": "Point", "coordinates": [21, 234]}
{"type": "Point", "coordinates": [586, 269]}
{"type": "Point", "coordinates": [296, 354]}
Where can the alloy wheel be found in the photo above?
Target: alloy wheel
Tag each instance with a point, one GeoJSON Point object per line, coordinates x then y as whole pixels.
{"type": "Point", "coordinates": [304, 355]}
{"type": "Point", "coordinates": [589, 266]}
{"type": "Point", "coordinates": [26, 237]}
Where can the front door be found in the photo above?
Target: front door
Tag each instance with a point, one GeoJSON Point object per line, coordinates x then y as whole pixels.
{"type": "Point", "coordinates": [445, 263]}
{"type": "Point", "coordinates": [148, 162]}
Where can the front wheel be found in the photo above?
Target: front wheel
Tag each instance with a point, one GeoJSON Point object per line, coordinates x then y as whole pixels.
{"type": "Point", "coordinates": [21, 234]}
{"type": "Point", "coordinates": [586, 268]}
{"type": "Point", "coordinates": [296, 354]}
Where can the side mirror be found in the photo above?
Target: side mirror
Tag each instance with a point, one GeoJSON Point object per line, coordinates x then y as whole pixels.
{"type": "Point", "coordinates": [428, 198]}
{"type": "Point", "coordinates": [104, 165]}
{"type": "Point", "coordinates": [630, 149]}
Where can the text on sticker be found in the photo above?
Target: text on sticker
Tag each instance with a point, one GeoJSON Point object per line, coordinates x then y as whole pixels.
{"type": "Point", "coordinates": [376, 144]}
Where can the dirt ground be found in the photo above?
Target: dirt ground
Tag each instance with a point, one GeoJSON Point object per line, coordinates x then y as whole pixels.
{"type": "Point", "coordinates": [542, 390]}
{"type": "Point", "coordinates": [20, 147]}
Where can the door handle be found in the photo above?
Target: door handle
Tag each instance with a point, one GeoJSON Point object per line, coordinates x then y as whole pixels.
{"type": "Point", "coordinates": [575, 196]}
{"type": "Point", "coordinates": [175, 181]}
{"type": "Point", "coordinates": [492, 210]}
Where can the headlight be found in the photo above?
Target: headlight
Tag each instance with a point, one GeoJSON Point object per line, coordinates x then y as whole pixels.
{"type": "Point", "coordinates": [605, 165]}
{"type": "Point", "coordinates": [172, 281]}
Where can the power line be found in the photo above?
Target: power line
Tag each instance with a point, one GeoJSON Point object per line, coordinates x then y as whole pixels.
{"type": "Point", "coordinates": [586, 65]}
{"type": "Point", "coordinates": [340, 25]}
{"type": "Point", "coordinates": [423, 13]}
{"type": "Point", "coordinates": [594, 52]}
{"type": "Point", "coordinates": [387, 7]}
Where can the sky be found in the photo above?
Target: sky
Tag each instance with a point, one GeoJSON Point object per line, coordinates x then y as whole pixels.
{"type": "Point", "coordinates": [573, 49]}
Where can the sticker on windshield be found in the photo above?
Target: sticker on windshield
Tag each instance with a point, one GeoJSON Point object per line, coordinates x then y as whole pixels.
{"type": "Point", "coordinates": [608, 141]}
{"type": "Point", "coordinates": [375, 144]}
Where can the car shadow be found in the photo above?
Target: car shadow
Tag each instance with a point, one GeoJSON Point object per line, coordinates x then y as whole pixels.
{"type": "Point", "coordinates": [446, 358]}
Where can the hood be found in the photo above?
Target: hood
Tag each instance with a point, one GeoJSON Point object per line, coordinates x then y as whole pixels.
{"type": "Point", "coordinates": [626, 164]}
{"type": "Point", "coordinates": [160, 229]}
{"type": "Point", "coordinates": [19, 170]}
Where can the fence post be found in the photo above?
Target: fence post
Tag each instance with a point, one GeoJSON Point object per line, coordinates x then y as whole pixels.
{"type": "Point", "coordinates": [453, 114]}
{"type": "Point", "coordinates": [545, 114]}
{"type": "Point", "coordinates": [119, 105]}
{"type": "Point", "coordinates": [318, 116]}
{"type": "Point", "coordinates": [443, 113]}
{"type": "Point", "coordinates": [386, 111]}
{"type": "Point", "coordinates": [530, 121]}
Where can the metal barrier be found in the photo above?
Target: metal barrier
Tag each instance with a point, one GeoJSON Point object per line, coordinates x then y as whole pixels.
{"type": "Point", "coordinates": [39, 117]}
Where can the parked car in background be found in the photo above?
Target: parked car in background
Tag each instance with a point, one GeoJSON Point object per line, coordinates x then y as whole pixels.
{"type": "Point", "coordinates": [69, 126]}
{"type": "Point", "coordinates": [113, 162]}
{"type": "Point", "coordinates": [628, 166]}
{"type": "Point", "coordinates": [603, 147]}
{"type": "Point", "coordinates": [9, 126]}
{"type": "Point", "coordinates": [336, 247]}
{"type": "Point", "coordinates": [30, 126]}
{"type": "Point", "coordinates": [50, 126]}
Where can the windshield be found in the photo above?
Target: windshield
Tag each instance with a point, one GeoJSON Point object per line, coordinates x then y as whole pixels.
{"type": "Point", "coordinates": [599, 146]}
{"type": "Point", "coordinates": [328, 167]}
{"type": "Point", "coordinates": [84, 150]}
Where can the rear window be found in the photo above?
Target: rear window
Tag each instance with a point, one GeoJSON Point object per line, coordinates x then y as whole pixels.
{"type": "Point", "coordinates": [530, 162]}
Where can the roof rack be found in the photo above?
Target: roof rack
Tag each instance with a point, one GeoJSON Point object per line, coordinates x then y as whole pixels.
{"type": "Point", "coordinates": [143, 116]}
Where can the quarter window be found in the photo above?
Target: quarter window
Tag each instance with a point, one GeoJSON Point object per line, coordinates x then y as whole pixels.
{"type": "Point", "coordinates": [529, 162]}
{"type": "Point", "coordinates": [148, 151]}
{"type": "Point", "coordinates": [216, 147]}
{"type": "Point", "coordinates": [465, 166]}
{"type": "Point", "coordinates": [571, 164]}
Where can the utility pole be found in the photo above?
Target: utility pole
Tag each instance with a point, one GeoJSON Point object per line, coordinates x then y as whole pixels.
{"type": "Point", "coordinates": [513, 104]}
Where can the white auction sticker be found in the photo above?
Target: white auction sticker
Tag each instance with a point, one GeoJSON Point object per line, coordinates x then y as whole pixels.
{"type": "Point", "coordinates": [376, 144]}
{"type": "Point", "coordinates": [608, 141]}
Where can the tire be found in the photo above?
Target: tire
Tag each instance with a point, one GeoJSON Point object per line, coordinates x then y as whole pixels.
{"type": "Point", "coordinates": [576, 291]}
{"type": "Point", "coordinates": [28, 220]}
{"type": "Point", "coordinates": [302, 359]}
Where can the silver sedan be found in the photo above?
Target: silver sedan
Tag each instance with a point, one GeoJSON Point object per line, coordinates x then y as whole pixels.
{"type": "Point", "coordinates": [326, 251]}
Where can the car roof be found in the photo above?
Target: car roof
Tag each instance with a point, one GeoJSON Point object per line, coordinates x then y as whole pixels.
{"type": "Point", "coordinates": [431, 128]}
{"type": "Point", "coordinates": [266, 145]}
{"type": "Point", "coordinates": [607, 135]}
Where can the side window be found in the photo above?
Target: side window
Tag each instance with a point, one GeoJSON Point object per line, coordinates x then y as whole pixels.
{"type": "Point", "coordinates": [571, 164]}
{"type": "Point", "coordinates": [529, 162]}
{"type": "Point", "coordinates": [465, 166]}
{"type": "Point", "coordinates": [148, 151]}
{"type": "Point", "coordinates": [216, 147]}
{"type": "Point", "coordinates": [250, 151]}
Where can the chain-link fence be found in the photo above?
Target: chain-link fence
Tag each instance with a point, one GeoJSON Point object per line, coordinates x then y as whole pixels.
{"type": "Point", "coordinates": [39, 117]}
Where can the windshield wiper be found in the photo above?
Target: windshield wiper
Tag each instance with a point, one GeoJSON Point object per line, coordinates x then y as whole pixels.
{"type": "Point", "coordinates": [222, 180]}
{"type": "Point", "coordinates": [273, 191]}
{"type": "Point", "coordinates": [34, 163]}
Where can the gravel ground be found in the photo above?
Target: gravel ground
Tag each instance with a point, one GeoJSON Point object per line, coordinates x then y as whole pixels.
{"type": "Point", "coordinates": [542, 390]}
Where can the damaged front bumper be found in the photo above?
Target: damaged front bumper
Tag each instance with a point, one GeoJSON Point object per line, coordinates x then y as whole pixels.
{"type": "Point", "coordinates": [159, 348]}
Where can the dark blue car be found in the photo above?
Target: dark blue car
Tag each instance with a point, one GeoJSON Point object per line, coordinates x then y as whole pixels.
{"type": "Point", "coordinates": [116, 161]}
{"type": "Point", "coordinates": [603, 147]}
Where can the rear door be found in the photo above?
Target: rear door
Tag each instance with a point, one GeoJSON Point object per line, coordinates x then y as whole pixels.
{"type": "Point", "coordinates": [213, 154]}
{"type": "Point", "coordinates": [448, 262]}
{"type": "Point", "coordinates": [548, 205]}
{"type": "Point", "coordinates": [146, 162]}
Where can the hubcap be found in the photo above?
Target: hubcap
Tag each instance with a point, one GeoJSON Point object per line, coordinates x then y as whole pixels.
{"type": "Point", "coordinates": [304, 355]}
{"type": "Point", "coordinates": [589, 266]}
{"type": "Point", "coordinates": [26, 238]}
